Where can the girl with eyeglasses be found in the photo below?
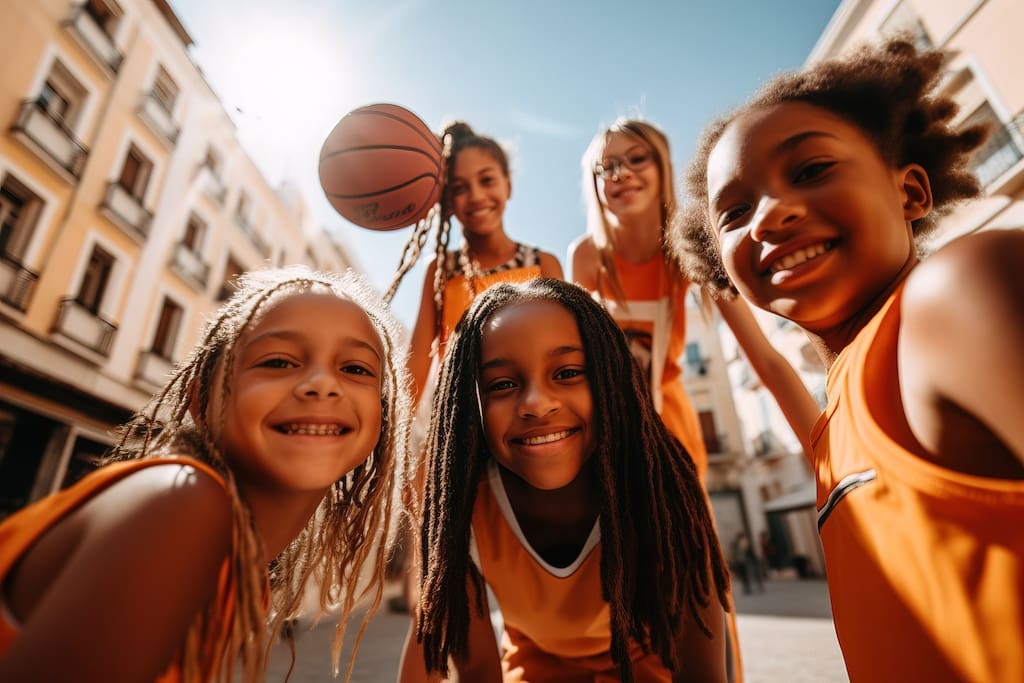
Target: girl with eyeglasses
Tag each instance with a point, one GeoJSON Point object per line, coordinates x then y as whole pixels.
{"type": "Point", "coordinates": [630, 199]}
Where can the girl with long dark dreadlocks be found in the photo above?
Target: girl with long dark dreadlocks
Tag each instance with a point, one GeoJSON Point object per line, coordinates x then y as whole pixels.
{"type": "Point", "coordinates": [551, 478]}
{"type": "Point", "coordinates": [270, 460]}
{"type": "Point", "coordinates": [809, 199]}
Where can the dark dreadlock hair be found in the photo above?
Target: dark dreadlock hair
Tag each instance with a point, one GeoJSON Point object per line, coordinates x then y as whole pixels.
{"type": "Point", "coordinates": [455, 138]}
{"type": "Point", "coordinates": [660, 558]}
{"type": "Point", "coordinates": [350, 533]}
{"type": "Point", "coordinates": [889, 92]}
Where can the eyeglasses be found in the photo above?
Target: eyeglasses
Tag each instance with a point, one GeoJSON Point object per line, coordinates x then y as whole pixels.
{"type": "Point", "coordinates": [610, 168]}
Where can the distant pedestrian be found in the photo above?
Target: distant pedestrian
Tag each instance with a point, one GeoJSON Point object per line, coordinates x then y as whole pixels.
{"type": "Point", "coordinates": [746, 563]}
{"type": "Point", "coordinates": [809, 200]}
{"type": "Point", "coordinates": [769, 561]}
{"type": "Point", "coordinates": [271, 459]}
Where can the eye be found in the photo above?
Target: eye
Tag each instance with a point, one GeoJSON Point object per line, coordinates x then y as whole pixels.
{"type": "Point", "coordinates": [569, 373]}
{"type": "Point", "coordinates": [357, 369]}
{"type": "Point", "coordinates": [812, 170]}
{"type": "Point", "coordinates": [457, 189]}
{"type": "Point", "coordinates": [276, 362]}
{"type": "Point", "coordinates": [638, 159]}
{"type": "Point", "coordinates": [731, 215]}
{"type": "Point", "coordinates": [499, 385]}
{"type": "Point", "coordinates": [487, 181]}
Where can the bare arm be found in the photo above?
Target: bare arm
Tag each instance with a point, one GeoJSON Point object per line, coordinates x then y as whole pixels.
{"type": "Point", "coordinates": [136, 564]}
{"type": "Point", "coordinates": [550, 267]}
{"type": "Point", "coordinates": [702, 659]}
{"type": "Point", "coordinates": [423, 336]}
{"type": "Point", "coordinates": [481, 662]}
{"type": "Point", "coordinates": [778, 375]}
{"type": "Point", "coordinates": [960, 353]}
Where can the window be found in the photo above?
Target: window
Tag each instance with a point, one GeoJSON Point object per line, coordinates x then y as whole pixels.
{"type": "Point", "coordinates": [242, 208]}
{"type": "Point", "coordinates": [19, 211]}
{"type": "Point", "coordinates": [95, 279]}
{"type": "Point", "coordinates": [61, 96]}
{"type": "Point", "coordinates": [195, 230]}
{"type": "Point", "coordinates": [709, 432]}
{"type": "Point", "coordinates": [903, 19]}
{"type": "Point", "coordinates": [694, 360]}
{"type": "Point", "coordinates": [135, 173]}
{"type": "Point", "coordinates": [104, 14]}
{"type": "Point", "coordinates": [232, 269]}
{"type": "Point", "coordinates": [167, 327]}
{"type": "Point", "coordinates": [212, 161]}
{"type": "Point", "coordinates": [165, 90]}
{"type": "Point", "coordinates": [999, 153]}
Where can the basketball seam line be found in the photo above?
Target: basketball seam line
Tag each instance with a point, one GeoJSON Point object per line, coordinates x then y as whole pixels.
{"type": "Point", "coordinates": [429, 138]}
{"type": "Point", "coordinates": [377, 193]}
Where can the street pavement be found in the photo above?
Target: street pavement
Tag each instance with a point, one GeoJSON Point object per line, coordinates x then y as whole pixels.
{"type": "Point", "coordinates": [786, 636]}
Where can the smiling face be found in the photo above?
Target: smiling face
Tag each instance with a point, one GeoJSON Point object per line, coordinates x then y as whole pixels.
{"type": "Point", "coordinates": [479, 190]}
{"type": "Point", "coordinates": [305, 401]}
{"type": "Point", "coordinates": [813, 224]}
{"type": "Point", "coordinates": [634, 190]}
{"type": "Point", "coordinates": [534, 393]}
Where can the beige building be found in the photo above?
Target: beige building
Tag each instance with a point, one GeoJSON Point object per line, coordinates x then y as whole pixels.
{"type": "Point", "coordinates": [983, 75]}
{"type": "Point", "coordinates": [126, 206]}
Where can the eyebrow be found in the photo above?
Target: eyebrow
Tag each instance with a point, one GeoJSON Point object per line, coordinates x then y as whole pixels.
{"type": "Point", "coordinates": [787, 145]}
{"type": "Point", "coordinates": [292, 336]}
{"type": "Point", "coordinates": [553, 353]}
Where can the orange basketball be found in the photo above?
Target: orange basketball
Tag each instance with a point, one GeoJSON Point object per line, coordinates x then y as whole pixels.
{"type": "Point", "coordinates": [381, 167]}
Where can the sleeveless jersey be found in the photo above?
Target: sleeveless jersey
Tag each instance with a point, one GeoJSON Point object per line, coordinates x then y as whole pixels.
{"type": "Point", "coordinates": [655, 328]}
{"type": "Point", "coordinates": [557, 625]}
{"type": "Point", "coordinates": [925, 565]}
{"type": "Point", "coordinates": [19, 531]}
{"type": "Point", "coordinates": [459, 290]}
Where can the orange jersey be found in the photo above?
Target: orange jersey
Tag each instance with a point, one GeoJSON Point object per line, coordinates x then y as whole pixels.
{"type": "Point", "coordinates": [655, 327]}
{"type": "Point", "coordinates": [19, 531]}
{"type": "Point", "coordinates": [459, 291]}
{"type": "Point", "coordinates": [925, 565]}
{"type": "Point", "coordinates": [557, 625]}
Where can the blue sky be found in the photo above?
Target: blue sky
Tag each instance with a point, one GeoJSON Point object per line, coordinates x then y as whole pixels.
{"type": "Point", "coordinates": [541, 76]}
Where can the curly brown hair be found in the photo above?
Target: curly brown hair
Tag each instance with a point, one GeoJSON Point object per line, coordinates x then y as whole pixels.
{"type": "Point", "coordinates": [887, 90]}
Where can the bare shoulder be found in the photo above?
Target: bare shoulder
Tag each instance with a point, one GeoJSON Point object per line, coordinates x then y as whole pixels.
{"type": "Point", "coordinates": [583, 259]}
{"type": "Point", "coordinates": [550, 266]}
{"type": "Point", "coordinates": [968, 280]}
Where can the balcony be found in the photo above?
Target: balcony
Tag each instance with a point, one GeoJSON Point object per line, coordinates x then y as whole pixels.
{"type": "Point", "coordinates": [212, 186]}
{"type": "Point", "coordinates": [127, 211]}
{"type": "Point", "coordinates": [158, 118]}
{"type": "Point", "coordinates": [80, 324]}
{"type": "Point", "coordinates": [94, 39]}
{"type": "Point", "coordinates": [190, 266]}
{"type": "Point", "coordinates": [50, 136]}
{"type": "Point", "coordinates": [16, 282]}
{"type": "Point", "coordinates": [153, 368]}
{"type": "Point", "coordinates": [999, 154]}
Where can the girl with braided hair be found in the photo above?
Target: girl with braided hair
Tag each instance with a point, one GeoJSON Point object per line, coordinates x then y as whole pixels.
{"type": "Point", "coordinates": [551, 478]}
{"type": "Point", "coordinates": [272, 459]}
{"type": "Point", "coordinates": [809, 200]}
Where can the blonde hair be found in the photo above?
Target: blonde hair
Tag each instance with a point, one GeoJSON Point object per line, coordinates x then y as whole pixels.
{"type": "Point", "coordinates": [352, 529]}
{"type": "Point", "coordinates": [600, 219]}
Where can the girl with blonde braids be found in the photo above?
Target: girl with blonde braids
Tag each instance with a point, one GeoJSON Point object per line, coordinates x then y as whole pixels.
{"type": "Point", "coordinates": [273, 457]}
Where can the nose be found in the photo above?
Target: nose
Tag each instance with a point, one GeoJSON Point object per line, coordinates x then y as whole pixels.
{"type": "Point", "coordinates": [536, 401]}
{"type": "Point", "coordinates": [774, 214]}
{"type": "Point", "coordinates": [318, 383]}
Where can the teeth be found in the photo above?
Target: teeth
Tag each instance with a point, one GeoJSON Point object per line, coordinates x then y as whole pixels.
{"type": "Point", "coordinates": [547, 438]}
{"type": "Point", "coordinates": [313, 430]}
{"type": "Point", "coordinates": [799, 256]}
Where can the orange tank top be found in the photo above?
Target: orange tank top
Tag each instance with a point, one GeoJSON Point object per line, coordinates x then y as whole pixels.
{"type": "Point", "coordinates": [557, 625]}
{"type": "Point", "coordinates": [655, 326]}
{"type": "Point", "coordinates": [19, 531]}
{"type": "Point", "coordinates": [925, 565]}
{"type": "Point", "coordinates": [459, 291]}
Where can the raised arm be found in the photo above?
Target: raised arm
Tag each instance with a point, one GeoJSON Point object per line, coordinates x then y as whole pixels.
{"type": "Point", "coordinates": [961, 353]}
{"type": "Point", "coordinates": [778, 375]}
{"type": "Point", "coordinates": [110, 592]}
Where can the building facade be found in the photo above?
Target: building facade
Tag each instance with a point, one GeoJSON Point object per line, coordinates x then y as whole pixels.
{"type": "Point", "coordinates": [127, 205]}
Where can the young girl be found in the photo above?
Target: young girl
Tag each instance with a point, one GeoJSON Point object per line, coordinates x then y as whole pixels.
{"type": "Point", "coordinates": [477, 186]}
{"type": "Point", "coordinates": [551, 478]}
{"type": "Point", "coordinates": [274, 453]}
{"type": "Point", "coordinates": [809, 199]}
{"type": "Point", "coordinates": [630, 198]}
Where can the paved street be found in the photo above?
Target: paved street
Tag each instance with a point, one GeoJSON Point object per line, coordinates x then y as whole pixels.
{"type": "Point", "coordinates": [786, 636]}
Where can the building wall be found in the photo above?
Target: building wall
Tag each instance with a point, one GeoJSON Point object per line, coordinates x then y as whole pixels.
{"type": "Point", "coordinates": [78, 94]}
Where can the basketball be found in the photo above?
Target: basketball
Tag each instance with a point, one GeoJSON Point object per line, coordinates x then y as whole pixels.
{"type": "Point", "coordinates": [380, 167]}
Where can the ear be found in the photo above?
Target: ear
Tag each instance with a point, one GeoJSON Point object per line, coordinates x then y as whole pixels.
{"type": "Point", "coordinates": [917, 191]}
{"type": "Point", "coordinates": [509, 189]}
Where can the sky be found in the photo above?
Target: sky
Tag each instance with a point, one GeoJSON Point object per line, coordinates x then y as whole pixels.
{"type": "Point", "coordinates": [540, 76]}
